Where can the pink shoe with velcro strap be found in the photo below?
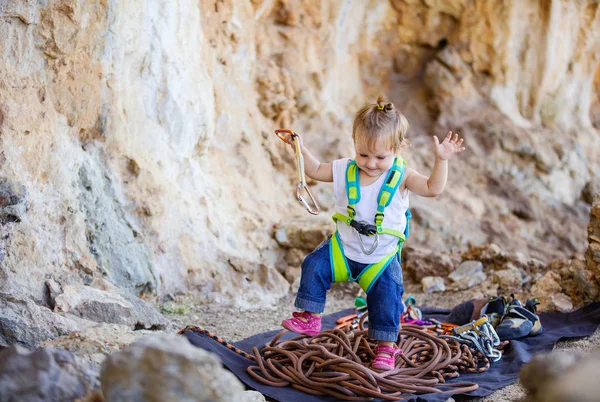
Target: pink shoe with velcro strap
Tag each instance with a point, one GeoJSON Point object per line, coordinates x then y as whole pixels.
{"type": "Point", "coordinates": [385, 363]}
{"type": "Point", "coordinates": [312, 325]}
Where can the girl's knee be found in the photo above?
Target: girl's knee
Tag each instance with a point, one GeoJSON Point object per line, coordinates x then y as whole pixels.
{"type": "Point", "coordinates": [317, 265]}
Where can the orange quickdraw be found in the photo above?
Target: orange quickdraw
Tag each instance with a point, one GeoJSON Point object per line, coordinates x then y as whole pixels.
{"type": "Point", "coordinates": [289, 137]}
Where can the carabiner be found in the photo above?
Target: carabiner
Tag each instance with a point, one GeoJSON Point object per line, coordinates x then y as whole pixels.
{"type": "Point", "coordinates": [293, 138]}
{"type": "Point", "coordinates": [362, 245]}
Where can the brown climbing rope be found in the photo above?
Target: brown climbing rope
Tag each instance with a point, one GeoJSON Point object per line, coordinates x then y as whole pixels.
{"type": "Point", "coordinates": [337, 363]}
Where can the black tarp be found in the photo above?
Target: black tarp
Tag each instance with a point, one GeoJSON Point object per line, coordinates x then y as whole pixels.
{"type": "Point", "coordinates": [556, 326]}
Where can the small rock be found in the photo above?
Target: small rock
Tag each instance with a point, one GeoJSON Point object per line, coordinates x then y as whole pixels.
{"type": "Point", "coordinates": [468, 274]}
{"type": "Point", "coordinates": [13, 201]}
{"type": "Point", "coordinates": [421, 263]}
{"type": "Point", "coordinates": [432, 284]}
{"type": "Point", "coordinates": [590, 191]}
{"type": "Point", "coordinates": [509, 280]}
{"type": "Point", "coordinates": [485, 252]}
{"type": "Point", "coordinates": [558, 302]}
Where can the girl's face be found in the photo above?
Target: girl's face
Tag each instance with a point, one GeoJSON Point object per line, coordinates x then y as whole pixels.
{"type": "Point", "coordinates": [373, 160]}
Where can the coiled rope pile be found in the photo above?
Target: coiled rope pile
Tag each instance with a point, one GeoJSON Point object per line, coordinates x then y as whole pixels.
{"type": "Point", "coordinates": [337, 363]}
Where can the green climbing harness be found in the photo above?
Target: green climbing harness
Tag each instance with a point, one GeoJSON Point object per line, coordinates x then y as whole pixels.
{"type": "Point", "coordinates": [339, 264]}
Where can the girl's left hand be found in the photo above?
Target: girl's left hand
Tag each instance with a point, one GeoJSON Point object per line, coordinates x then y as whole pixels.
{"type": "Point", "coordinates": [448, 147]}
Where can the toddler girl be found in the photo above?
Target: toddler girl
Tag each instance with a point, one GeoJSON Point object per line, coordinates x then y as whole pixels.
{"type": "Point", "coordinates": [371, 194]}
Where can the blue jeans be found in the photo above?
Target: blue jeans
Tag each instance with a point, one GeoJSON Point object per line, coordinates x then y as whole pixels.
{"type": "Point", "coordinates": [384, 300]}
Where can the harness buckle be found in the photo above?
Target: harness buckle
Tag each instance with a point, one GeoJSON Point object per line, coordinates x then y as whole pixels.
{"type": "Point", "coordinates": [290, 137]}
{"type": "Point", "coordinates": [364, 227]}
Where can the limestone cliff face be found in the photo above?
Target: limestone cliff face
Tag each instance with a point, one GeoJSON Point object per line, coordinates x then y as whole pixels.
{"type": "Point", "coordinates": [137, 136]}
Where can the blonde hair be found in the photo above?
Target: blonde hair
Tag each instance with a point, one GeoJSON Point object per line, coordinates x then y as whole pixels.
{"type": "Point", "coordinates": [380, 120]}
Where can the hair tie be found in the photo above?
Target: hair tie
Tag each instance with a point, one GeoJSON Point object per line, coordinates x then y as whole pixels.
{"type": "Point", "coordinates": [380, 107]}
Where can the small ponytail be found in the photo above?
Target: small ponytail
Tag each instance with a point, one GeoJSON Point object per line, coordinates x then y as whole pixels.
{"type": "Point", "coordinates": [380, 120]}
{"type": "Point", "coordinates": [383, 105]}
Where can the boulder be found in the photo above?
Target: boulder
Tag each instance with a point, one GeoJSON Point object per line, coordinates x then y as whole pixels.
{"type": "Point", "coordinates": [510, 280]}
{"type": "Point", "coordinates": [24, 323]}
{"type": "Point", "coordinates": [44, 375]}
{"type": "Point", "coordinates": [421, 263]}
{"type": "Point", "coordinates": [562, 376]}
{"type": "Point", "coordinates": [302, 233]}
{"type": "Point", "coordinates": [167, 368]}
{"type": "Point", "coordinates": [549, 291]}
{"type": "Point", "coordinates": [468, 274]}
{"type": "Point", "coordinates": [592, 255]}
{"type": "Point", "coordinates": [110, 306]}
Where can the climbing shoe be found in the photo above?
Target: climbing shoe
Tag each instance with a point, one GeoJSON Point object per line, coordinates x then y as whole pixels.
{"type": "Point", "coordinates": [466, 312]}
{"type": "Point", "coordinates": [311, 325]}
{"type": "Point", "coordinates": [383, 362]}
{"type": "Point", "coordinates": [531, 305]}
{"type": "Point", "coordinates": [518, 322]}
{"type": "Point", "coordinates": [494, 308]}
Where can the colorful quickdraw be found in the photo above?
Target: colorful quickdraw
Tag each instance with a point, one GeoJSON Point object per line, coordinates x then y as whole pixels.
{"type": "Point", "coordinates": [289, 137]}
{"type": "Point", "coordinates": [480, 335]}
{"type": "Point", "coordinates": [352, 320]}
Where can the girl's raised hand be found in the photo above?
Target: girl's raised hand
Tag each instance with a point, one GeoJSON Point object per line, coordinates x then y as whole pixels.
{"type": "Point", "coordinates": [448, 147]}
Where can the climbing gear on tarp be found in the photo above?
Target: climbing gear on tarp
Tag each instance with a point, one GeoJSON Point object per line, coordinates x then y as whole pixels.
{"type": "Point", "coordinates": [360, 302]}
{"type": "Point", "coordinates": [480, 335]}
{"type": "Point", "coordinates": [289, 137]}
{"type": "Point", "coordinates": [411, 312]}
{"type": "Point", "coordinates": [352, 320]}
{"type": "Point", "coordinates": [339, 264]}
{"type": "Point", "coordinates": [507, 315]}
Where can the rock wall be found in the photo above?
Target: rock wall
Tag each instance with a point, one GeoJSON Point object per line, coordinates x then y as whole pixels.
{"type": "Point", "coordinates": [592, 255]}
{"type": "Point", "coordinates": [137, 136]}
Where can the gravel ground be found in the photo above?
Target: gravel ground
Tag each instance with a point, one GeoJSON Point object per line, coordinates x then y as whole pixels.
{"type": "Point", "coordinates": [233, 324]}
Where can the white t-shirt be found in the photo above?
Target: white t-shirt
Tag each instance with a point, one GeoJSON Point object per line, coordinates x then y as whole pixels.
{"type": "Point", "coordinates": [365, 211]}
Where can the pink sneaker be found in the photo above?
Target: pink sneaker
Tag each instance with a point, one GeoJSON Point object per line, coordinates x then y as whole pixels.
{"type": "Point", "coordinates": [312, 325]}
{"type": "Point", "coordinates": [385, 363]}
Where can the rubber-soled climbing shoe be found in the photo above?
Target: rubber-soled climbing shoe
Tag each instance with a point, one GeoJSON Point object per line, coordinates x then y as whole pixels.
{"type": "Point", "coordinates": [531, 305]}
{"type": "Point", "coordinates": [388, 362]}
{"type": "Point", "coordinates": [518, 322]}
{"type": "Point", "coordinates": [465, 311]}
{"type": "Point", "coordinates": [311, 327]}
{"type": "Point", "coordinates": [495, 308]}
